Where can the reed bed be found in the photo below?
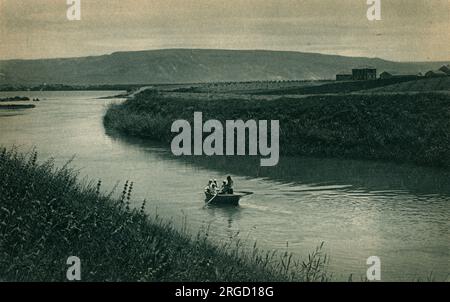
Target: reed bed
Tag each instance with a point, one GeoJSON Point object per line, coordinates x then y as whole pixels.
{"type": "Point", "coordinates": [401, 128]}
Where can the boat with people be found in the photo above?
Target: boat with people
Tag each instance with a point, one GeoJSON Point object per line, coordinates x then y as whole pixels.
{"type": "Point", "coordinates": [224, 195]}
{"type": "Point", "coordinates": [223, 199]}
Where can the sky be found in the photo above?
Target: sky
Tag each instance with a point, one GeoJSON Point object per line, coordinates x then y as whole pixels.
{"type": "Point", "coordinates": [410, 30]}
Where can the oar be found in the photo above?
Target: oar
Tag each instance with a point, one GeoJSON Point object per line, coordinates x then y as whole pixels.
{"type": "Point", "coordinates": [246, 193]}
{"type": "Point", "coordinates": [207, 203]}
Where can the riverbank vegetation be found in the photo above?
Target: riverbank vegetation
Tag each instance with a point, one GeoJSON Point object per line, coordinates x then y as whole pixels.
{"type": "Point", "coordinates": [16, 106]}
{"type": "Point", "coordinates": [47, 215]}
{"type": "Point", "coordinates": [396, 127]}
{"type": "Point", "coordinates": [15, 99]}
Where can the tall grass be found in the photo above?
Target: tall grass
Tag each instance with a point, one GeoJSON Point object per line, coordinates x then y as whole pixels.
{"type": "Point", "coordinates": [46, 215]}
{"type": "Point", "coordinates": [401, 128]}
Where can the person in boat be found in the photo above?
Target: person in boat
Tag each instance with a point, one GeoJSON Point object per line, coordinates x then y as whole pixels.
{"type": "Point", "coordinates": [230, 184]}
{"type": "Point", "coordinates": [214, 188]}
{"type": "Point", "coordinates": [224, 188]}
{"type": "Point", "coordinates": [209, 189]}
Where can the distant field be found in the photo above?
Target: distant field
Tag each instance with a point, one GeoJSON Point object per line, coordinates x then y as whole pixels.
{"type": "Point", "coordinates": [336, 87]}
{"type": "Point", "coordinates": [237, 87]}
{"type": "Point", "coordinates": [280, 88]}
{"type": "Point", "coordinates": [422, 85]}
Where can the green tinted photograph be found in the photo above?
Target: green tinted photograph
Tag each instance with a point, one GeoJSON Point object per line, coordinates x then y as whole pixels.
{"type": "Point", "coordinates": [217, 142]}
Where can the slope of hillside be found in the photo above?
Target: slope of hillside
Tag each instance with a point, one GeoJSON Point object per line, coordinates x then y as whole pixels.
{"type": "Point", "coordinates": [188, 66]}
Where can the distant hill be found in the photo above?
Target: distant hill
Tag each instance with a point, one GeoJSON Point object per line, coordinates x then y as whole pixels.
{"type": "Point", "coordinates": [191, 66]}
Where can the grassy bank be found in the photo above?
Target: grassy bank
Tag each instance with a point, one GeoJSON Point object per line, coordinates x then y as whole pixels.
{"type": "Point", "coordinates": [46, 215]}
{"type": "Point", "coordinates": [401, 128]}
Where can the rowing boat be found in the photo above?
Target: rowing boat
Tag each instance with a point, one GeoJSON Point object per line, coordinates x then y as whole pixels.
{"type": "Point", "coordinates": [225, 199]}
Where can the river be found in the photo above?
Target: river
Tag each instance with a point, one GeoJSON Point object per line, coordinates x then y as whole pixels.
{"type": "Point", "coordinates": [399, 213]}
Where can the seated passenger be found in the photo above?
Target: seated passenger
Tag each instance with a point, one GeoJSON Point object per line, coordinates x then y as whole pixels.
{"type": "Point", "coordinates": [230, 184]}
{"type": "Point", "coordinates": [225, 189]}
{"type": "Point", "coordinates": [209, 188]}
{"type": "Point", "coordinates": [214, 188]}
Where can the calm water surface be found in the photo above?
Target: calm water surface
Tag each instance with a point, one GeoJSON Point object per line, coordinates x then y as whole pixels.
{"type": "Point", "coordinates": [359, 209]}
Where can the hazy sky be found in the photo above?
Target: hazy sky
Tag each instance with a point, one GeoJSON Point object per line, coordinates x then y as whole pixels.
{"type": "Point", "coordinates": [411, 30]}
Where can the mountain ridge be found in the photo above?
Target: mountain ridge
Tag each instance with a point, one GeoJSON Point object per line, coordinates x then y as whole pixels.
{"type": "Point", "coordinates": [180, 65]}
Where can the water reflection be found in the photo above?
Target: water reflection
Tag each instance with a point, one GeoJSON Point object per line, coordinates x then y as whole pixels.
{"type": "Point", "coordinates": [364, 176]}
{"type": "Point", "coordinates": [232, 215]}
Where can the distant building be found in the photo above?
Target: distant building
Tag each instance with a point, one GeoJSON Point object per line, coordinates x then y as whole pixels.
{"type": "Point", "coordinates": [386, 75]}
{"type": "Point", "coordinates": [393, 74]}
{"type": "Point", "coordinates": [364, 73]}
{"type": "Point", "coordinates": [435, 74]}
{"type": "Point", "coordinates": [445, 69]}
{"type": "Point", "coordinates": [344, 76]}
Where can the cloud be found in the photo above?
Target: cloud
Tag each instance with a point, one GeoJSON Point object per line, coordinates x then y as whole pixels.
{"type": "Point", "coordinates": [411, 30]}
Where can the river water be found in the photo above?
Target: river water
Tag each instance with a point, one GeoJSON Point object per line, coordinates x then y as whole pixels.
{"type": "Point", "coordinates": [399, 213]}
